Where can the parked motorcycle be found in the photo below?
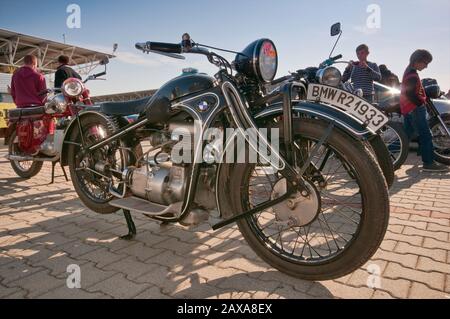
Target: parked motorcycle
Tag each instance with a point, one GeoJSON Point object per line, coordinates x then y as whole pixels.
{"type": "Point", "coordinates": [316, 208]}
{"type": "Point", "coordinates": [438, 121]}
{"type": "Point", "coordinates": [37, 134]}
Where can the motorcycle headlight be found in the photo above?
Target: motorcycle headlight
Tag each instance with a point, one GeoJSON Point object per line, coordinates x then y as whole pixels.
{"type": "Point", "coordinates": [72, 87]}
{"type": "Point", "coordinates": [329, 76]}
{"type": "Point", "coordinates": [258, 60]}
{"type": "Point", "coordinates": [56, 104]}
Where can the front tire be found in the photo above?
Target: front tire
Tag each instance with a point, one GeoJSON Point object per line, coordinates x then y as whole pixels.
{"type": "Point", "coordinates": [397, 143]}
{"type": "Point", "coordinates": [441, 141]}
{"type": "Point", "coordinates": [373, 220]}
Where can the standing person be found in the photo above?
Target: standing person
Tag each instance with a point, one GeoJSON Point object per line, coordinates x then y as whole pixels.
{"type": "Point", "coordinates": [64, 71]}
{"type": "Point", "coordinates": [413, 108]}
{"type": "Point", "coordinates": [27, 84]}
{"type": "Point", "coordinates": [363, 73]}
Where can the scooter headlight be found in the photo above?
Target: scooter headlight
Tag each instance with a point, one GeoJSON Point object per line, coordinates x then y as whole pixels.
{"type": "Point", "coordinates": [72, 87]}
{"type": "Point", "coordinates": [329, 76]}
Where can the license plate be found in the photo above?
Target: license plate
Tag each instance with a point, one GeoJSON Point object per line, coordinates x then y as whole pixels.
{"type": "Point", "coordinates": [352, 104]}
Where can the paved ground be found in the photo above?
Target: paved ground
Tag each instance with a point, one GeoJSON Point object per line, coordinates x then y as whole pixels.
{"type": "Point", "coordinates": [44, 229]}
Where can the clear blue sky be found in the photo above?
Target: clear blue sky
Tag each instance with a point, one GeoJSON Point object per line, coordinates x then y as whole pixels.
{"type": "Point", "coordinates": [300, 30]}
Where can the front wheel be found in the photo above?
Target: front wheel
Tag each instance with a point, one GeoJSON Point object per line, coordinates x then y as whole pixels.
{"type": "Point", "coordinates": [441, 140]}
{"type": "Point", "coordinates": [25, 169]}
{"type": "Point", "coordinates": [333, 231]}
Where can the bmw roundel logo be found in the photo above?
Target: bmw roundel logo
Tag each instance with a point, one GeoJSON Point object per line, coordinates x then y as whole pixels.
{"type": "Point", "coordinates": [203, 106]}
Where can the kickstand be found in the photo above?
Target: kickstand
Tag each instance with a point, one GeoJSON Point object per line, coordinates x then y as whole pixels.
{"type": "Point", "coordinates": [64, 172]}
{"type": "Point", "coordinates": [53, 172]}
{"type": "Point", "coordinates": [131, 226]}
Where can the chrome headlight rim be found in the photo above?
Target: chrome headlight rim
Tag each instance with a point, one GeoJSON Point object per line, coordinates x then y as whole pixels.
{"type": "Point", "coordinates": [259, 61]}
{"type": "Point", "coordinates": [72, 87]}
{"type": "Point", "coordinates": [330, 76]}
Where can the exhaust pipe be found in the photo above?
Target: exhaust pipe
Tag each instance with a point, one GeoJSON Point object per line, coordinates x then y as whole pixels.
{"type": "Point", "coordinates": [29, 158]}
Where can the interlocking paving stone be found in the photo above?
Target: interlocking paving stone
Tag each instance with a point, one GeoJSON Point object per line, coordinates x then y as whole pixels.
{"type": "Point", "coordinates": [44, 228]}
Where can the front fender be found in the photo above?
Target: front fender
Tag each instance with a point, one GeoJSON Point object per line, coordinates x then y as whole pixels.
{"type": "Point", "coordinates": [341, 119]}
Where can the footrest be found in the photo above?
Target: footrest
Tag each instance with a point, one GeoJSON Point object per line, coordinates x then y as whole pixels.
{"type": "Point", "coordinates": [136, 204]}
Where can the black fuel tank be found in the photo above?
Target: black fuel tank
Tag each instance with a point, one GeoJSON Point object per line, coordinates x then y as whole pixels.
{"type": "Point", "coordinates": [185, 85]}
{"type": "Point", "coordinates": [159, 108]}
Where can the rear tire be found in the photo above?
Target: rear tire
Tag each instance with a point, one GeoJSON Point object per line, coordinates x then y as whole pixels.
{"type": "Point", "coordinates": [384, 159]}
{"type": "Point", "coordinates": [24, 171]}
{"type": "Point", "coordinates": [87, 196]}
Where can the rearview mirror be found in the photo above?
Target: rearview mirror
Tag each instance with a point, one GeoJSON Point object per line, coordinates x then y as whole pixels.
{"type": "Point", "coordinates": [335, 29]}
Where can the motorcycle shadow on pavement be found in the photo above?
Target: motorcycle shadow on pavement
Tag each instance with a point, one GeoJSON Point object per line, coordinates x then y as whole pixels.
{"type": "Point", "coordinates": [45, 228]}
{"type": "Point", "coordinates": [179, 262]}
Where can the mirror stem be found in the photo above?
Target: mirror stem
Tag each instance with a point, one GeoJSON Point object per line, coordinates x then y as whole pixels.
{"type": "Point", "coordinates": [334, 47]}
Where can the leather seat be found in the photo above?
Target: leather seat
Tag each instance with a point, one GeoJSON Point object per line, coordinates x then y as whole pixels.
{"type": "Point", "coordinates": [26, 112]}
{"type": "Point", "coordinates": [125, 108]}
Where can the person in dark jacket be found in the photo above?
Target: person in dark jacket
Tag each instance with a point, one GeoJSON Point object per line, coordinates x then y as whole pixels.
{"type": "Point", "coordinates": [413, 108]}
{"type": "Point", "coordinates": [363, 73]}
{"type": "Point", "coordinates": [388, 78]}
{"type": "Point", "coordinates": [27, 84]}
{"type": "Point", "coordinates": [64, 71]}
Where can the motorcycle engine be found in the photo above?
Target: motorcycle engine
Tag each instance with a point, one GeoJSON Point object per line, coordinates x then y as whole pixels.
{"type": "Point", "coordinates": [163, 184]}
{"type": "Point", "coordinates": [162, 181]}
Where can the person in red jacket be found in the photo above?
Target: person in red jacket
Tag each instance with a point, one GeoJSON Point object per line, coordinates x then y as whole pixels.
{"type": "Point", "coordinates": [27, 84]}
{"type": "Point", "coordinates": [413, 107]}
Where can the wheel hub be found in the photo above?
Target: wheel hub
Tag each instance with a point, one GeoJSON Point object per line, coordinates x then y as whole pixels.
{"type": "Point", "coordinates": [298, 210]}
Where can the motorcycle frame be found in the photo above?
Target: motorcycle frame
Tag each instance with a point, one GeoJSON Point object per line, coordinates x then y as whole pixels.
{"type": "Point", "coordinates": [228, 99]}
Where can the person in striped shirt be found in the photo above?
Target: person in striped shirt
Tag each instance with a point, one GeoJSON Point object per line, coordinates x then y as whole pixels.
{"type": "Point", "coordinates": [363, 73]}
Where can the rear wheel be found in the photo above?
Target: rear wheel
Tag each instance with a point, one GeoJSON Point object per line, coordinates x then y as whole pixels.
{"type": "Point", "coordinates": [332, 232]}
{"type": "Point", "coordinates": [25, 169]}
{"type": "Point", "coordinates": [441, 140]}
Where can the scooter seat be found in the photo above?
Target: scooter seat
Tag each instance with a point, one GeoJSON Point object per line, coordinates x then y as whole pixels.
{"type": "Point", "coordinates": [125, 108]}
{"type": "Point", "coordinates": [26, 112]}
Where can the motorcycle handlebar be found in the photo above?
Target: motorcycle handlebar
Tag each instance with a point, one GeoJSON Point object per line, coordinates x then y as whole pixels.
{"type": "Point", "coordinates": [282, 79]}
{"type": "Point", "coordinates": [99, 74]}
{"type": "Point", "coordinates": [160, 46]}
{"type": "Point", "coordinates": [337, 57]}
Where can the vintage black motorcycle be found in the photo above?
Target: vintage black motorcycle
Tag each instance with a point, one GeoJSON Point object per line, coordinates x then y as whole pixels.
{"type": "Point", "coordinates": [316, 207]}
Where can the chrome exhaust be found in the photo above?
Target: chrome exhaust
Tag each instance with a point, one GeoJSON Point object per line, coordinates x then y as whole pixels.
{"type": "Point", "coordinates": [30, 158]}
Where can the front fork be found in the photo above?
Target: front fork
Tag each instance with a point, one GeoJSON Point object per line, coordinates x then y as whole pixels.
{"type": "Point", "coordinates": [294, 178]}
{"type": "Point", "coordinates": [435, 113]}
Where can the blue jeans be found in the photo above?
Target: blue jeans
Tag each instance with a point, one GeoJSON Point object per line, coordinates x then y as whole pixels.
{"type": "Point", "coordinates": [417, 121]}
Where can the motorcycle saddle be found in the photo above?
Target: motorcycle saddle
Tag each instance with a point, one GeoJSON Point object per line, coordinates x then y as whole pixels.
{"type": "Point", "coordinates": [26, 112]}
{"type": "Point", "coordinates": [125, 108]}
